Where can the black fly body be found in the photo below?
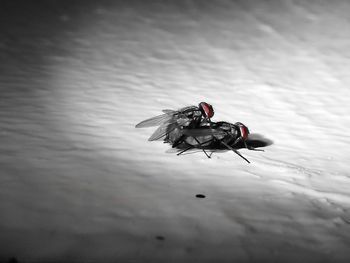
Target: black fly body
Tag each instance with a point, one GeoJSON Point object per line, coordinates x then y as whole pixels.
{"type": "Point", "coordinates": [191, 128]}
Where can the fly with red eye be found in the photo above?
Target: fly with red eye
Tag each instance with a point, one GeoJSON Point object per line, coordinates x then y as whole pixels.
{"type": "Point", "coordinates": [219, 135]}
{"type": "Point", "coordinates": [191, 128]}
{"type": "Point", "coordinates": [188, 117]}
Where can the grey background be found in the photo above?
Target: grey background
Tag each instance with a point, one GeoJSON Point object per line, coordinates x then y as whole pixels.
{"type": "Point", "coordinates": [79, 183]}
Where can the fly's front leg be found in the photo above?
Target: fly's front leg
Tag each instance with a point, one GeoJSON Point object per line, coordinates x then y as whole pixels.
{"type": "Point", "coordinates": [234, 150]}
{"type": "Point", "coordinates": [246, 145]}
{"type": "Point", "coordinates": [237, 141]}
{"type": "Point", "coordinates": [252, 148]}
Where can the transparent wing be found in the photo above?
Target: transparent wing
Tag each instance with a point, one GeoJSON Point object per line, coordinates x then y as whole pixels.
{"type": "Point", "coordinates": [166, 128]}
{"type": "Point", "coordinates": [155, 121]}
{"type": "Point", "coordinates": [165, 118]}
{"type": "Point", "coordinates": [187, 109]}
{"type": "Point", "coordinates": [162, 131]}
{"type": "Point", "coordinates": [183, 110]}
{"type": "Point", "coordinates": [167, 111]}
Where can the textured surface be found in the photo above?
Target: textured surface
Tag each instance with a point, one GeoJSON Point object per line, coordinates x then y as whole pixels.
{"type": "Point", "coordinates": [79, 182]}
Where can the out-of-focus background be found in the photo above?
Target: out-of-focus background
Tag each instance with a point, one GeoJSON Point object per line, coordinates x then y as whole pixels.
{"type": "Point", "coordinates": [79, 183]}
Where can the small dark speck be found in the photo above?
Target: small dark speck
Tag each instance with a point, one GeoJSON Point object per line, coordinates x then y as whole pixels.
{"type": "Point", "coordinates": [200, 196]}
{"type": "Point", "coordinates": [160, 238]}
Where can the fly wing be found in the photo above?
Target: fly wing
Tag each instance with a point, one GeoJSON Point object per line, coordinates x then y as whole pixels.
{"type": "Point", "coordinates": [187, 109]}
{"type": "Point", "coordinates": [166, 117]}
{"type": "Point", "coordinates": [155, 121]}
{"type": "Point", "coordinates": [167, 111]}
{"type": "Point", "coordinates": [162, 131]}
{"type": "Point", "coordinates": [168, 127]}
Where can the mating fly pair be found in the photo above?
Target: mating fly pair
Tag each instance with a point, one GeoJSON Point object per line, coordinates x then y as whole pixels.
{"type": "Point", "coordinates": [191, 128]}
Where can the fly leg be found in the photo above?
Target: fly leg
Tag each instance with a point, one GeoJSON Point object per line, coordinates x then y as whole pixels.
{"type": "Point", "coordinates": [246, 145]}
{"type": "Point", "coordinates": [252, 148]}
{"type": "Point", "coordinates": [192, 146]}
{"type": "Point", "coordinates": [185, 150]}
{"type": "Point", "coordinates": [234, 150]}
{"type": "Point", "coordinates": [202, 148]}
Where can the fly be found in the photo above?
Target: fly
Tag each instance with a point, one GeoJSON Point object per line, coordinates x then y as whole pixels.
{"type": "Point", "coordinates": [190, 117]}
{"type": "Point", "coordinates": [191, 128]}
{"type": "Point", "coordinates": [217, 135]}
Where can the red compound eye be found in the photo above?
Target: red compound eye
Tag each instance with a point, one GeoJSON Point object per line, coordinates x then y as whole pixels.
{"type": "Point", "coordinates": [207, 109]}
{"type": "Point", "coordinates": [244, 130]}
